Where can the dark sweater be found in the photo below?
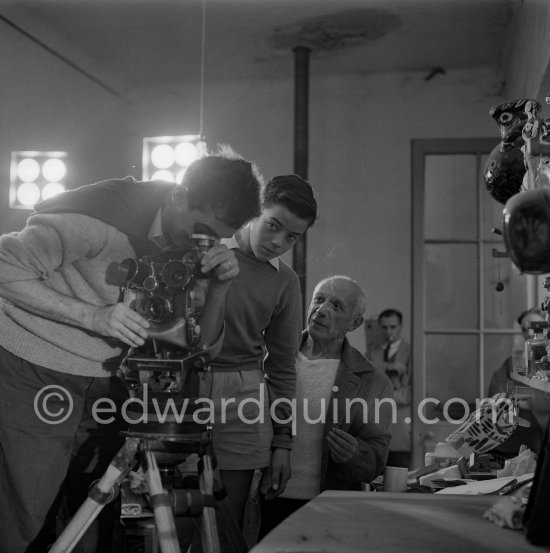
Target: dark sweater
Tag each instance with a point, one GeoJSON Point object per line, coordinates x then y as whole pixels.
{"type": "Point", "coordinates": [263, 313]}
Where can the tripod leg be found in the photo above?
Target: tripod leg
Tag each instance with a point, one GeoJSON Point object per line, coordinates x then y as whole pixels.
{"type": "Point", "coordinates": [229, 530]}
{"type": "Point", "coordinates": [97, 498]}
{"type": "Point", "coordinates": [162, 507]}
{"type": "Point", "coordinates": [209, 530]}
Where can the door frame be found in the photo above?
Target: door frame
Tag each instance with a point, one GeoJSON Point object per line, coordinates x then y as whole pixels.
{"type": "Point", "coordinates": [419, 149]}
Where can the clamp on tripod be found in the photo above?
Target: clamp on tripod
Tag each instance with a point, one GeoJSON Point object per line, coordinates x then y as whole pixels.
{"type": "Point", "coordinates": [164, 502]}
{"type": "Point", "coordinates": [169, 290]}
{"type": "Point", "coordinates": [164, 442]}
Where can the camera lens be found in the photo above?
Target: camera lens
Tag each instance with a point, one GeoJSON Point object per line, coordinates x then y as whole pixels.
{"type": "Point", "coordinates": [158, 309]}
{"type": "Point", "coordinates": [175, 274]}
{"type": "Point", "coordinates": [132, 271]}
{"type": "Point", "coordinates": [127, 270]}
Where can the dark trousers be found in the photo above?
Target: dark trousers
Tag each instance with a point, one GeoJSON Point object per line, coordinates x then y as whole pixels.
{"type": "Point", "coordinates": [44, 464]}
{"type": "Point", "coordinates": [276, 510]}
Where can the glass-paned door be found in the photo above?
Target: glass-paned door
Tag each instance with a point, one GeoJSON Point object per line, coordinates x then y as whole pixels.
{"type": "Point", "coordinates": [463, 324]}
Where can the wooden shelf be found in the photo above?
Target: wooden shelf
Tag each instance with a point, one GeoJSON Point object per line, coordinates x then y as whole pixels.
{"type": "Point", "coordinates": [535, 383]}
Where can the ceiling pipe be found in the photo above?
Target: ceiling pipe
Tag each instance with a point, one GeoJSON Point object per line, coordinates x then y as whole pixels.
{"type": "Point", "coordinates": [301, 99]}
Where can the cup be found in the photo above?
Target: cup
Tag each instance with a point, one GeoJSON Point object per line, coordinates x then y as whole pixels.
{"type": "Point", "coordinates": [395, 479]}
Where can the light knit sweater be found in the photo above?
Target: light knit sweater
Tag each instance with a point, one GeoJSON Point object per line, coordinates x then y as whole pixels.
{"type": "Point", "coordinates": [75, 255]}
{"type": "Point", "coordinates": [315, 379]}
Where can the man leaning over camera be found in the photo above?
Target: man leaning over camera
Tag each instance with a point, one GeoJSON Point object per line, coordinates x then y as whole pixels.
{"type": "Point", "coordinates": [63, 330]}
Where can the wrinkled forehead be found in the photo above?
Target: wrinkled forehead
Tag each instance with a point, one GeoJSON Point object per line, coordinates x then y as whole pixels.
{"type": "Point", "coordinates": [337, 288]}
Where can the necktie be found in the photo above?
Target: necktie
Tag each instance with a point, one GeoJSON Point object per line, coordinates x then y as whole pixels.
{"type": "Point", "coordinates": [387, 352]}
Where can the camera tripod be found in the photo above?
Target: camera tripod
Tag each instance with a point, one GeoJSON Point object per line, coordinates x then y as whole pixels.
{"type": "Point", "coordinates": [207, 501]}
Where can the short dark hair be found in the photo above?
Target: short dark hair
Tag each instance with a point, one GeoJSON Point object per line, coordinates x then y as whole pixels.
{"type": "Point", "coordinates": [226, 180]}
{"type": "Point", "coordinates": [391, 313]}
{"type": "Point", "coordinates": [294, 193]}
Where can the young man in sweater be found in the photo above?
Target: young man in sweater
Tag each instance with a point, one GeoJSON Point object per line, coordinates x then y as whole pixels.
{"type": "Point", "coordinates": [342, 432]}
{"type": "Point", "coordinates": [263, 323]}
{"type": "Point", "coordinates": [63, 330]}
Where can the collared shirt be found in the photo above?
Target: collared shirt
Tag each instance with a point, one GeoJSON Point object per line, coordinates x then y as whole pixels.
{"type": "Point", "coordinates": [155, 233]}
{"type": "Point", "coordinates": [232, 243]}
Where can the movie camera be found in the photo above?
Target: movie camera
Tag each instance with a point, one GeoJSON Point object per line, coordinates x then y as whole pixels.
{"type": "Point", "coordinates": [169, 290]}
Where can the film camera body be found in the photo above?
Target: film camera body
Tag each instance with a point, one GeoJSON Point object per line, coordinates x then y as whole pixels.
{"type": "Point", "coordinates": [169, 290]}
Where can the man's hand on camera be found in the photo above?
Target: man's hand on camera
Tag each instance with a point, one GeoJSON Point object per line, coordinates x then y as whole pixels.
{"type": "Point", "coordinates": [222, 262]}
{"type": "Point", "coordinates": [122, 322]}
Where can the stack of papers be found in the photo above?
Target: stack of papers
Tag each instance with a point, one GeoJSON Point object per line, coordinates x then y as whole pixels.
{"type": "Point", "coordinates": [485, 487]}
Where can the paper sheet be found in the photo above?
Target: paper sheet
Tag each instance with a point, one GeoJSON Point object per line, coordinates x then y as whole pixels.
{"type": "Point", "coordinates": [482, 487]}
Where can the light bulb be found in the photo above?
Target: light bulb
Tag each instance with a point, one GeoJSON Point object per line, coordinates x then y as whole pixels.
{"type": "Point", "coordinates": [54, 170]}
{"type": "Point", "coordinates": [28, 194]}
{"type": "Point", "coordinates": [52, 189]}
{"type": "Point", "coordinates": [163, 175]}
{"type": "Point", "coordinates": [162, 156]}
{"type": "Point", "coordinates": [28, 169]}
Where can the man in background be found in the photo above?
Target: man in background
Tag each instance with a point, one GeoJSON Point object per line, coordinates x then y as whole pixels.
{"type": "Point", "coordinates": [537, 404]}
{"type": "Point", "coordinates": [393, 357]}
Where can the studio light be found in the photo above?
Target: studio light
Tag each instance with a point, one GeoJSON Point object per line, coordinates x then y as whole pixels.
{"type": "Point", "coordinates": [167, 157]}
{"type": "Point", "coordinates": [36, 176]}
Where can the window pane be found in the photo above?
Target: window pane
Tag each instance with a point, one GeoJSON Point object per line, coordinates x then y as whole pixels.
{"type": "Point", "coordinates": [451, 286]}
{"type": "Point", "coordinates": [500, 309]}
{"type": "Point", "coordinates": [452, 367]}
{"type": "Point", "coordinates": [496, 349]}
{"type": "Point", "coordinates": [451, 197]}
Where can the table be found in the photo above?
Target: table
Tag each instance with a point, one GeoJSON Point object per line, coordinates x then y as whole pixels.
{"type": "Point", "coordinates": [349, 522]}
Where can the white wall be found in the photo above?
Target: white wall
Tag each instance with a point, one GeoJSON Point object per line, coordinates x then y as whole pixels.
{"type": "Point", "coordinates": [47, 105]}
{"type": "Point", "coordinates": [361, 129]}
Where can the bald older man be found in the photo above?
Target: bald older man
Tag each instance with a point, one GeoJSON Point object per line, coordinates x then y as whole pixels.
{"type": "Point", "coordinates": [342, 426]}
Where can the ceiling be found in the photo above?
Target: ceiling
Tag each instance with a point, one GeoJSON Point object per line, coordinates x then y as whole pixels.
{"type": "Point", "coordinates": [128, 43]}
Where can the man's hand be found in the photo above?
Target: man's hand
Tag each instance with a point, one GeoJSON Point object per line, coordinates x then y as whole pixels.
{"type": "Point", "coordinates": [224, 267]}
{"type": "Point", "coordinates": [342, 445]}
{"type": "Point", "coordinates": [222, 262]}
{"type": "Point", "coordinates": [122, 322]}
{"type": "Point", "coordinates": [275, 477]}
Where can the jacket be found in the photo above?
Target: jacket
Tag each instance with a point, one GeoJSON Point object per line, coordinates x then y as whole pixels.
{"type": "Point", "coordinates": [401, 431]}
{"type": "Point", "coordinates": [357, 378]}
